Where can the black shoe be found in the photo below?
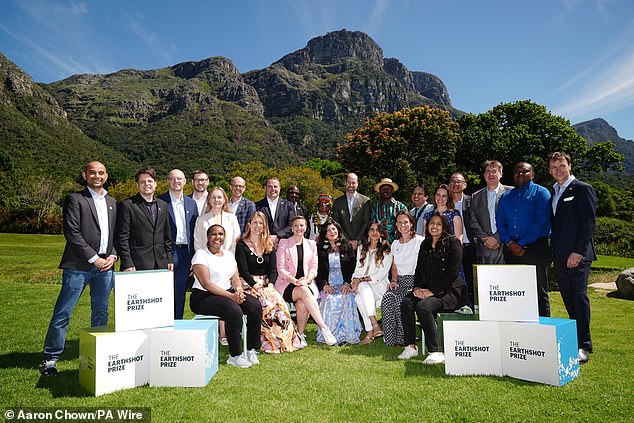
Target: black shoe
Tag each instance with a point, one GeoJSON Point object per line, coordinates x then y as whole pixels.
{"type": "Point", "coordinates": [48, 368]}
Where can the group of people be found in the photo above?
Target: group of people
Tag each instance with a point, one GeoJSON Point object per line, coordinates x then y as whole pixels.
{"type": "Point", "coordinates": [337, 265]}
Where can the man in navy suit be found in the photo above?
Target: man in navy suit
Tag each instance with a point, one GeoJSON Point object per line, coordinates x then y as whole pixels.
{"type": "Point", "coordinates": [240, 206]}
{"type": "Point", "coordinates": [88, 259]}
{"type": "Point", "coordinates": [183, 212]}
{"type": "Point", "coordinates": [276, 210]}
{"type": "Point", "coordinates": [574, 206]}
{"type": "Point", "coordinates": [143, 228]}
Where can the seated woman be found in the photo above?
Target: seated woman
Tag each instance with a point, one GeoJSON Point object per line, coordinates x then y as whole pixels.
{"type": "Point", "coordinates": [258, 267]}
{"type": "Point", "coordinates": [370, 278]}
{"type": "Point", "coordinates": [443, 203]}
{"type": "Point", "coordinates": [217, 291]}
{"type": "Point", "coordinates": [404, 252]}
{"type": "Point", "coordinates": [438, 287]}
{"type": "Point", "coordinates": [217, 211]}
{"type": "Point", "coordinates": [336, 262]}
{"type": "Point", "coordinates": [296, 271]}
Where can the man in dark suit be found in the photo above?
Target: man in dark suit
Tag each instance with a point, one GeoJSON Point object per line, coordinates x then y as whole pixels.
{"type": "Point", "coordinates": [276, 210]}
{"type": "Point", "coordinates": [574, 205]}
{"type": "Point", "coordinates": [240, 206]}
{"type": "Point", "coordinates": [292, 196]}
{"type": "Point", "coordinates": [88, 259]}
{"type": "Point", "coordinates": [143, 228]}
{"type": "Point", "coordinates": [484, 205]}
{"type": "Point", "coordinates": [352, 211]}
{"type": "Point", "coordinates": [183, 212]}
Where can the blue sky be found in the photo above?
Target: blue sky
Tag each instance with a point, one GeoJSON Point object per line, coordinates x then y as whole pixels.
{"type": "Point", "coordinates": [576, 57]}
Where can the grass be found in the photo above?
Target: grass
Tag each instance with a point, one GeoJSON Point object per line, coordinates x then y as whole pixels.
{"type": "Point", "coordinates": [319, 383]}
{"type": "Point", "coordinates": [613, 263]}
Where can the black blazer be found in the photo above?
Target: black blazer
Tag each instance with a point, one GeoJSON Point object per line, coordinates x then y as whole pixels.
{"type": "Point", "coordinates": [348, 264]}
{"type": "Point", "coordinates": [361, 212]}
{"type": "Point", "coordinates": [140, 242]}
{"type": "Point", "coordinates": [191, 214]}
{"type": "Point", "coordinates": [574, 222]}
{"type": "Point", "coordinates": [282, 224]}
{"type": "Point", "coordinates": [82, 232]}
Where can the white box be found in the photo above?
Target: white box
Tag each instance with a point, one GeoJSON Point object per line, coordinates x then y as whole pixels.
{"type": "Point", "coordinates": [507, 292]}
{"type": "Point", "coordinates": [472, 348]}
{"type": "Point", "coordinates": [143, 299]}
{"type": "Point", "coordinates": [110, 361]}
{"type": "Point", "coordinates": [184, 355]}
{"type": "Point", "coordinates": [545, 352]}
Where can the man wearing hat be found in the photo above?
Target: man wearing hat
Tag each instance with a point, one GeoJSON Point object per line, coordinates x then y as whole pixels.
{"type": "Point", "coordinates": [352, 211]}
{"type": "Point", "coordinates": [321, 216]}
{"type": "Point", "coordinates": [387, 208]}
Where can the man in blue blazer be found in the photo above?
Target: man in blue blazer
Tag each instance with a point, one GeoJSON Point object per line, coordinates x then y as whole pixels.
{"type": "Point", "coordinates": [574, 205]}
{"type": "Point", "coordinates": [276, 210]}
{"type": "Point", "coordinates": [240, 206]}
{"type": "Point", "coordinates": [88, 259]}
{"type": "Point", "coordinates": [183, 213]}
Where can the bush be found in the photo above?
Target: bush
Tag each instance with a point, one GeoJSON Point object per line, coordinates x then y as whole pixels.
{"type": "Point", "coordinates": [614, 237]}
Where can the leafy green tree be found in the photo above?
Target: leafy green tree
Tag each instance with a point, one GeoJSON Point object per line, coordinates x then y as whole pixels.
{"type": "Point", "coordinates": [408, 145]}
{"type": "Point", "coordinates": [525, 131]}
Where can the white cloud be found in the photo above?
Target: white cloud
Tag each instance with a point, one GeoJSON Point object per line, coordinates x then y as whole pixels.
{"type": "Point", "coordinates": [135, 26]}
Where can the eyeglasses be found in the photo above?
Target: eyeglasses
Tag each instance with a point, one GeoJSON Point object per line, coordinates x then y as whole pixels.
{"type": "Point", "coordinates": [201, 180]}
{"type": "Point", "coordinates": [457, 181]}
{"type": "Point", "coordinates": [491, 171]}
{"type": "Point", "coordinates": [293, 192]}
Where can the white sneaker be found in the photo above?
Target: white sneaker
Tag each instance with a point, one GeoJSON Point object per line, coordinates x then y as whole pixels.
{"type": "Point", "coordinates": [239, 361]}
{"type": "Point", "coordinates": [329, 338]}
{"type": "Point", "coordinates": [584, 356]}
{"type": "Point", "coordinates": [252, 356]}
{"type": "Point", "coordinates": [223, 341]}
{"type": "Point", "coordinates": [302, 340]}
{"type": "Point", "coordinates": [435, 358]}
{"type": "Point", "coordinates": [408, 352]}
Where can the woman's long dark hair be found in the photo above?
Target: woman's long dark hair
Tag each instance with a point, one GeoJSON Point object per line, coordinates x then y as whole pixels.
{"type": "Point", "coordinates": [442, 245]}
{"type": "Point", "coordinates": [341, 242]}
{"type": "Point", "coordinates": [383, 247]}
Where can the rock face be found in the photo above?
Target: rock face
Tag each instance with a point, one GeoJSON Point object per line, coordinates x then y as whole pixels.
{"type": "Point", "coordinates": [340, 78]}
{"type": "Point", "coordinates": [625, 283]}
{"type": "Point", "coordinates": [598, 130]}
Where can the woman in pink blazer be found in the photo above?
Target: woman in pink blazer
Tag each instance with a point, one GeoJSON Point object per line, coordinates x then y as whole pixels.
{"type": "Point", "coordinates": [297, 268]}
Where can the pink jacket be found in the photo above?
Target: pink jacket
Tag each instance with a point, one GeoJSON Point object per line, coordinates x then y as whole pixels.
{"type": "Point", "coordinates": [287, 261]}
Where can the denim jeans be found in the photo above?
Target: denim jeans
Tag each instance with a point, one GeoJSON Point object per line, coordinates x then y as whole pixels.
{"type": "Point", "coordinates": [73, 284]}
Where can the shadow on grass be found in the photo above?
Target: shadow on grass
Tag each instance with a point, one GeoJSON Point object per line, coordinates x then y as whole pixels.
{"type": "Point", "coordinates": [64, 384]}
{"type": "Point", "coordinates": [32, 360]}
{"type": "Point", "coordinates": [617, 295]}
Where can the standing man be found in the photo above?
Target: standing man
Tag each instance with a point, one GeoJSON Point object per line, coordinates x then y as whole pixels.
{"type": "Point", "coordinates": [240, 206]}
{"type": "Point", "coordinates": [352, 211]}
{"type": "Point", "coordinates": [276, 210]}
{"type": "Point", "coordinates": [387, 208]}
{"type": "Point", "coordinates": [523, 222]}
{"type": "Point", "coordinates": [200, 181]}
{"type": "Point", "coordinates": [88, 259]}
{"type": "Point", "coordinates": [183, 213]}
{"type": "Point", "coordinates": [484, 205]}
{"type": "Point", "coordinates": [419, 199]}
{"type": "Point", "coordinates": [574, 208]}
{"type": "Point", "coordinates": [292, 196]}
{"type": "Point", "coordinates": [462, 203]}
{"type": "Point", "coordinates": [143, 228]}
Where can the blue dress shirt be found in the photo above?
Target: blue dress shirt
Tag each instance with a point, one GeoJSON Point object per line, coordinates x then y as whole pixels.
{"type": "Point", "coordinates": [524, 214]}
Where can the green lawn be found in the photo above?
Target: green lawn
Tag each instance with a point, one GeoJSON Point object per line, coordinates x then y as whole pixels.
{"type": "Point", "coordinates": [319, 383]}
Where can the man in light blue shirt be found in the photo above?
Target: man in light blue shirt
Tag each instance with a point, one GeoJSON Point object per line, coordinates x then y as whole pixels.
{"type": "Point", "coordinates": [523, 223]}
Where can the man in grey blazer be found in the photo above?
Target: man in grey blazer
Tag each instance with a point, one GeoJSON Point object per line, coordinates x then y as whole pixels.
{"type": "Point", "coordinates": [240, 206]}
{"type": "Point", "coordinates": [484, 204]}
{"type": "Point", "coordinates": [276, 210]}
{"type": "Point", "coordinates": [574, 205]}
{"type": "Point", "coordinates": [352, 211]}
{"type": "Point", "coordinates": [143, 228]}
{"type": "Point", "coordinates": [88, 259]}
{"type": "Point", "coordinates": [183, 213]}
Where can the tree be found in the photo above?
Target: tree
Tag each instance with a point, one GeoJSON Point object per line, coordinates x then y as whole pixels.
{"type": "Point", "coordinates": [524, 131]}
{"type": "Point", "coordinates": [406, 146]}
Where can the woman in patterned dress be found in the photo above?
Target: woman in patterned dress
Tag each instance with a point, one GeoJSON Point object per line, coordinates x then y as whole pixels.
{"type": "Point", "coordinates": [337, 260]}
{"type": "Point", "coordinates": [443, 203]}
{"type": "Point", "coordinates": [258, 270]}
{"type": "Point", "coordinates": [405, 253]}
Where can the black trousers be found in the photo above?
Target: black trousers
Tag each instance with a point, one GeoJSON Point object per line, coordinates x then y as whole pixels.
{"type": "Point", "coordinates": [203, 302]}
{"type": "Point", "coordinates": [538, 253]}
{"type": "Point", "coordinates": [573, 287]}
{"type": "Point", "coordinates": [469, 258]}
{"type": "Point", "coordinates": [426, 310]}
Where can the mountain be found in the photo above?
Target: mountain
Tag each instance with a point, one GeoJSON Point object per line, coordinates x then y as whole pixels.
{"type": "Point", "coordinates": [37, 136]}
{"type": "Point", "coordinates": [598, 130]}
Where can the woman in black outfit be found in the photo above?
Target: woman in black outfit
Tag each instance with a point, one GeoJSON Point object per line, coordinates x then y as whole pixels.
{"type": "Point", "coordinates": [438, 287]}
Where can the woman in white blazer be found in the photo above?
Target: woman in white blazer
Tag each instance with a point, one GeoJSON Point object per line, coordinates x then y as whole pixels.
{"type": "Point", "coordinates": [217, 212]}
{"type": "Point", "coordinates": [297, 268]}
